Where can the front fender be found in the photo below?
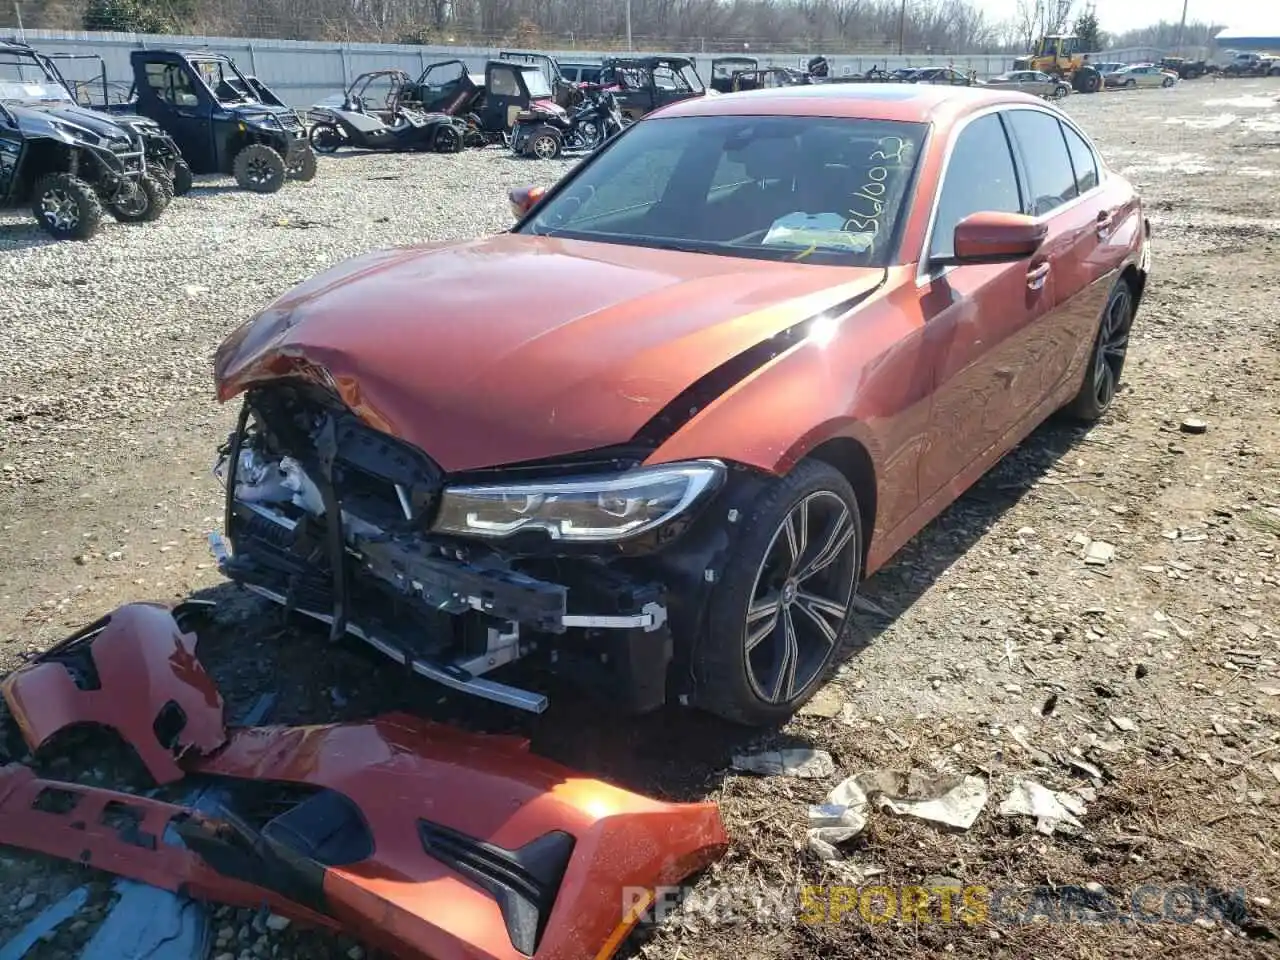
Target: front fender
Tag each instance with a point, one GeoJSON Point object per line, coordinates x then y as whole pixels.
{"type": "Point", "coordinates": [868, 378]}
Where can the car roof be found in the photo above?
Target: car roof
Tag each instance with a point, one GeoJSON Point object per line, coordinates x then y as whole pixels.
{"type": "Point", "coordinates": [918, 103]}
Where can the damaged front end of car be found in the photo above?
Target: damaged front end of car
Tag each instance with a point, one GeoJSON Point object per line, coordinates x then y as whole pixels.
{"type": "Point", "coordinates": [457, 575]}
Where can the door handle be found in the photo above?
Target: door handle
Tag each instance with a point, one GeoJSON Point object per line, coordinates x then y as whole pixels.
{"type": "Point", "coordinates": [1106, 220]}
{"type": "Point", "coordinates": [1037, 275]}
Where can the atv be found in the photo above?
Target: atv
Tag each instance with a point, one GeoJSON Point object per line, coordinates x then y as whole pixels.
{"type": "Point", "coordinates": [356, 122]}
{"type": "Point", "coordinates": [214, 115]}
{"type": "Point", "coordinates": [65, 161]}
{"type": "Point", "coordinates": [164, 159]}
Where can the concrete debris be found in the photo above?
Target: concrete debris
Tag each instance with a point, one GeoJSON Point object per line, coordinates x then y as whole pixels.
{"type": "Point", "coordinates": [1099, 553]}
{"type": "Point", "coordinates": [826, 704]}
{"type": "Point", "coordinates": [1125, 724]}
{"type": "Point", "coordinates": [1052, 810]}
{"type": "Point", "coordinates": [793, 762]}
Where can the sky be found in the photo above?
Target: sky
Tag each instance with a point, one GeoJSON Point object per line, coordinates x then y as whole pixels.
{"type": "Point", "coordinates": [1117, 16]}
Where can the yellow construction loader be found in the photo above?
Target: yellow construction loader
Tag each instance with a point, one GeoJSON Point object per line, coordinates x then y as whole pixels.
{"type": "Point", "coordinates": [1059, 55]}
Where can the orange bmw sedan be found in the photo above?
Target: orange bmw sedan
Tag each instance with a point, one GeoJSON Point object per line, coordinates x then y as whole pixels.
{"type": "Point", "coordinates": [655, 434]}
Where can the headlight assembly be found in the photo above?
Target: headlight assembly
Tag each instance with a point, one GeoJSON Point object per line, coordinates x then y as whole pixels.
{"type": "Point", "coordinates": [581, 510]}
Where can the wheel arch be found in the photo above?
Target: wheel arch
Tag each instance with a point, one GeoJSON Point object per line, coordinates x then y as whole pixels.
{"type": "Point", "coordinates": [854, 461]}
{"type": "Point", "coordinates": [1137, 281]}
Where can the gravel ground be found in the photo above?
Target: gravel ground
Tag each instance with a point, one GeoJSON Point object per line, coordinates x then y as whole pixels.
{"type": "Point", "coordinates": [1001, 653]}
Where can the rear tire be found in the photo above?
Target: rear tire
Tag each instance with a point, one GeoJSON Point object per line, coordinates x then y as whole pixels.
{"type": "Point", "coordinates": [775, 626]}
{"type": "Point", "coordinates": [66, 207]}
{"type": "Point", "coordinates": [304, 169]}
{"type": "Point", "coordinates": [1086, 80]}
{"type": "Point", "coordinates": [259, 169]}
{"type": "Point", "coordinates": [1106, 360]}
{"type": "Point", "coordinates": [447, 139]}
{"type": "Point", "coordinates": [147, 203]}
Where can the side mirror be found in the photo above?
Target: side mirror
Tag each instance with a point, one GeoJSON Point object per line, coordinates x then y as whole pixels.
{"type": "Point", "coordinates": [990, 237]}
{"type": "Point", "coordinates": [523, 199]}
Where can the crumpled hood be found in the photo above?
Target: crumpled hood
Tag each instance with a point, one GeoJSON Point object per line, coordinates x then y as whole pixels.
{"type": "Point", "coordinates": [35, 119]}
{"type": "Point", "coordinates": [518, 347]}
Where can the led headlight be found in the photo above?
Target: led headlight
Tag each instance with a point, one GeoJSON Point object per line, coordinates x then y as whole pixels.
{"type": "Point", "coordinates": [586, 509]}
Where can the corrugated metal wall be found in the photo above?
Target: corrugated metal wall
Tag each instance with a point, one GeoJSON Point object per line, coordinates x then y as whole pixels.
{"type": "Point", "coordinates": [304, 72]}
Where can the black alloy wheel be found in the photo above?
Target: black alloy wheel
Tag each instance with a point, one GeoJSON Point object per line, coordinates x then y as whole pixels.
{"type": "Point", "coordinates": [778, 619]}
{"type": "Point", "coordinates": [1106, 362]}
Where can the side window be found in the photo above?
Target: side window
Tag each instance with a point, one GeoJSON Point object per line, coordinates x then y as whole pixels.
{"type": "Point", "coordinates": [172, 84]}
{"type": "Point", "coordinates": [980, 177]}
{"type": "Point", "coordinates": [503, 83]}
{"type": "Point", "coordinates": [1044, 151]}
{"type": "Point", "coordinates": [1083, 160]}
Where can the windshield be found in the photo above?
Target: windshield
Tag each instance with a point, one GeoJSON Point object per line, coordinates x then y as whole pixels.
{"type": "Point", "coordinates": [227, 84]}
{"type": "Point", "coordinates": [812, 189]}
{"type": "Point", "coordinates": [24, 79]}
{"type": "Point", "coordinates": [537, 84]}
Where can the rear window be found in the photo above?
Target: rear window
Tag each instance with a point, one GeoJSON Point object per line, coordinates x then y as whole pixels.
{"type": "Point", "coordinates": [811, 189]}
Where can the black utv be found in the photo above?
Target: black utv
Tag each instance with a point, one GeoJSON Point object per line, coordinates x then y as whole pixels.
{"type": "Point", "coordinates": [65, 161]}
{"type": "Point", "coordinates": [214, 114]}
{"type": "Point", "coordinates": [164, 159]}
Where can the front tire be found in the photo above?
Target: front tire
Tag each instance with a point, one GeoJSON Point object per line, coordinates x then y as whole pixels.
{"type": "Point", "coordinates": [544, 144]}
{"type": "Point", "coordinates": [304, 168]}
{"type": "Point", "coordinates": [778, 622]}
{"type": "Point", "coordinates": [326, 138]}
{"type": "Point", "coordinates": [1106, 361]}
{"type": "Point", "coordinates": [66, 207]}
{"type": "Point", "coordinates": [259, 168]}
{"type": "Point", "coordinates": [182, 179]}
{"type": "Point", "coordinates": [146, 204]}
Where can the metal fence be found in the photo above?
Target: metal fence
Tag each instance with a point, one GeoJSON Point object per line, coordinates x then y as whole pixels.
{"type": "Point", "coordinates": [303, 72]}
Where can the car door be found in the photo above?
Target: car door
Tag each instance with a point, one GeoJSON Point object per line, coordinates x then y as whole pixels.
{"type": "Point", "coordinates": [181, 105]}
{"type": "Point", "coordinates": [1063, 172]}
{"type": "Point", "coordinates": [1042, 85]}
{"type": "Point", "coordinates": [976, 316]}
{"type": "Point", "coordinates": [505, 97]}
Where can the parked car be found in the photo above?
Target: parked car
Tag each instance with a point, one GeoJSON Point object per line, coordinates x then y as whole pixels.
{"type": "Point", "coordinates": [1035, 82]}
{"type": "Point", "coordinates": [947, 75]}
{"type": "Point", "coordinates": [1106, 68]}
{"type": "Point", "coordinates": [720, 372]}
{"type": "Point", "coordinates": [1140, 75]}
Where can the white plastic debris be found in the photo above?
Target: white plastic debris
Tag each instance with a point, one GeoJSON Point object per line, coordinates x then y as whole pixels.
{"type": "Point", "coordinates": [944, 798]}
{"type": "Point", "coordinates": [1051, 809]}
{"type": "Point", "coordinates": [794, 762]}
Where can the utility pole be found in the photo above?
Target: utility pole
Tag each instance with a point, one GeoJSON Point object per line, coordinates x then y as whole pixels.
{"type": "Point", "coordinates": [902, 26]}
{"type": "Point", "coordinates": [17, 10]}
{"type": "Point", "coordinates": [1177, 47]}
{"type": "Point", "coordinates": [629, 46]}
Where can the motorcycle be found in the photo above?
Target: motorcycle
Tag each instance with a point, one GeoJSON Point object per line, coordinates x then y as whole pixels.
{"type": "Point", "coordinates": [550, 130]}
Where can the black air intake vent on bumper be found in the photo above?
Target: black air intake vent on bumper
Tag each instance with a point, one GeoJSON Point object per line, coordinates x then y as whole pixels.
{"type": "Point", "coordinates": [525, 882]}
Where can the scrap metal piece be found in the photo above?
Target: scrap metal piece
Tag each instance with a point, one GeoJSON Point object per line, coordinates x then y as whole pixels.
{"type": "Point", "coordinates": [122, 834]}
{"type": "Point", "coordinates": [428, 841]}
{"type": "Point", "coordinates": [134, 671]}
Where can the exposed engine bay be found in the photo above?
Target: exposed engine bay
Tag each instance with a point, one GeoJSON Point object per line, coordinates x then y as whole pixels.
{"type": "Point", "coordinates": [333, 519]}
